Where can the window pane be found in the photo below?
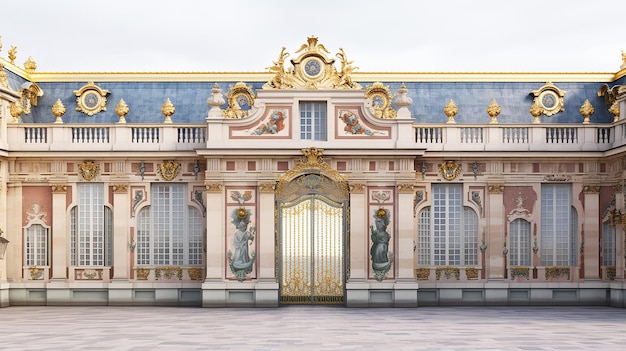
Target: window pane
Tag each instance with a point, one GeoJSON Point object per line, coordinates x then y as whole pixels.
{"type": "Point", "coordinates": [313, 120]}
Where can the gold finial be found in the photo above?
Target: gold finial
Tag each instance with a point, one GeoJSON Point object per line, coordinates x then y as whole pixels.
{"type": "Point", "coordinates": [614, 110]}
{"type": "Point", "coordinates": [586, 110]}
{"type": "Point", "coordinates": [622, 67]}
{"type": "Point", "coordinates": [12, 54]}
{"type": "Point", "coordinates": [168, 110]}
{"type": "Point", "coordinates": [58, 109]}
{"type": "Point", "coordinates": [30, 65]}
{"type": "Point", "coordinates": [4, 80]}
{"type": "Point", "coordinates": [1, 43]}
{"type": "Point", "coordinates": [451, 110]}
{"type": "Point", "coordinates": [16, 109]}
{"type": "Point", "coordinates": [122, 110]}
{"type": "Point", "coordinates": [493, 110]}
{"type": "Point", "coordinates": [536, 111]}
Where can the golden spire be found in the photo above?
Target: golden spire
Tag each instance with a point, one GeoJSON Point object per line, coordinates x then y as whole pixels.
{"type": "Point", "coordinates": [12, 54]}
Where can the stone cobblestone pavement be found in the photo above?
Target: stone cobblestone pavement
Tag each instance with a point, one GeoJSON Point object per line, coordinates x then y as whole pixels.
{"type": "Point", "coordinates": [312, 328]}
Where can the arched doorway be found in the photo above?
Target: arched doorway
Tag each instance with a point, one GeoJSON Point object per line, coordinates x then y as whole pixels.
{"type": "Point", "coordinates": [312, 227]}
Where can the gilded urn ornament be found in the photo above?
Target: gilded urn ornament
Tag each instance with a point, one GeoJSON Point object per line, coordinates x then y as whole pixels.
{"type": "Point", "coordinates": [450, 110]}
{"type": "Point", "coordinates": [168, 110]}
{"type": "Point", "coordinates": [493, 110]}
{"type": "Point", "coordinates": [58, 110]}
{"type": "Point", "coordinates": [122, 110]}
{"type": "Point", "coordinates": [586, 110]}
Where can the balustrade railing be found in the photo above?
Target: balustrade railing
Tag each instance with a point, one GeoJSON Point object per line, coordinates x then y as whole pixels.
{"type": "Point", "coordinates": [96, 137]}
{"type": "Point", "coordinates": [448, 137]}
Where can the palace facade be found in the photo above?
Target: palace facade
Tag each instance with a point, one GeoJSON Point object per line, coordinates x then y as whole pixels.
{"type": "Point", "coordinates": [312, 183]}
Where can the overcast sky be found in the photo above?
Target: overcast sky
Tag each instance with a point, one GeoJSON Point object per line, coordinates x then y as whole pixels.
{"type": "Point", "coordinates": [378, 35]}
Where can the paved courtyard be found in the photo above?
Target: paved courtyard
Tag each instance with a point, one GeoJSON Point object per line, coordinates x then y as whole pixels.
{"type": "Point", "coordinates": [313, 328]}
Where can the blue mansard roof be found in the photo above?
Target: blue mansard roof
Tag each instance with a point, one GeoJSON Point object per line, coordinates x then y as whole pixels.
{"type": "Point", "coordinates": [145, 93]}
{"type": "Point", "coordinates": [429, 98]}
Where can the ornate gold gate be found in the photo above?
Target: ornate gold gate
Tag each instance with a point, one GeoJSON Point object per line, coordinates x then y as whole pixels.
{"type": "Point", "coordinates": [312, 227]}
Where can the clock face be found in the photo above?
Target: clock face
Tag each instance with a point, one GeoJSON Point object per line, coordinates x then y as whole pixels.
{"type": "Point", "coordinates": [313, 67]}
{"type": "Point", "coordinates": [91, 99]}
{"type": "Point", "coordinates": [548, 100]}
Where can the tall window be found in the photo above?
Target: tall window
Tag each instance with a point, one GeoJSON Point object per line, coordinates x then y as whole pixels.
{"type": "Point", "coordinates": [169, 232]}
{"type": "Point", "coordinates": [447, 232]}
{"type": "Point", "coordinates": [559, 223]}
{"type": "Point", "coordinates": [608, 244]}
{"type": "Point", "coordinates": [313, 120]}
{"type": "Point", "coordinates": [36, 239]}
{"type": "Point", "coordinates": [519, 242]}
{"type": "Point", "coordinates": [91, 228]}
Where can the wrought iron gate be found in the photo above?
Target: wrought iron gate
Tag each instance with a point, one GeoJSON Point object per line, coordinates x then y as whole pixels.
{"type": "Point", "coordinates": [312, 251]}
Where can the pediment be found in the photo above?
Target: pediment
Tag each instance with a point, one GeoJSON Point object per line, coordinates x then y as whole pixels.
{"type": "Point", "coordinates": [313, 68]}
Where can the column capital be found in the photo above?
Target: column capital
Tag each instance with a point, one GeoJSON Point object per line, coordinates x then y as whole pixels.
{"type": "Point", "coordinates": [59, 188]}
{"type": "Point", "coordinates": [495, 188]}
{"type": "Point", "coordinates": [214, 187]}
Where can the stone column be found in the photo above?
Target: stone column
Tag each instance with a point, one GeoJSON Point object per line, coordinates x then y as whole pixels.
{"type": "Point", "coordinates": [59, 241]}
{"type": "Point", "coordinates": [495, 231]}
{"type": "Point", "coordinates": [591, 225]}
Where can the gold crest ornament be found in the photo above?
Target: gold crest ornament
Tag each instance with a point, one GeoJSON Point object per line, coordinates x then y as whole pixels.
{"type": "Point", "coordinates": [89, 170]}
{"type": "Point", "coordinates": [169, 170]}
{"type": "Point", "coordinates": [91, 99]}
{"type": "Point", "coordinates": [449, 170]}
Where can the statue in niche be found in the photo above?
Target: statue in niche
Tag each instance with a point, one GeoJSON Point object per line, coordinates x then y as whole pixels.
{"type": "Point", "coordinates": [241, 262]}
{"type": "Point", "coordinates": [379, 252]}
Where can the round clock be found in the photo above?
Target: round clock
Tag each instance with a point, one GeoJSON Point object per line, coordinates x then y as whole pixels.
{"type": "Point", "coordinates": [313, 67]}
{"type": "Point", "coordinates": [548, 99]}
{"type": "Point", "coordinates": [91, 99]}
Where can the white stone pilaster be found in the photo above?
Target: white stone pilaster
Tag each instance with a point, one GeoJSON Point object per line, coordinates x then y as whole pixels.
{"type": "Point", "coordinates": [495, 232]}
{"type": "Point", "coordinates": [405, 236]}
{"type": "Point", "coordinates": [59, 245]}
{"type": "Point", "coordinates": [266, 258]}
{"type": "Point", "coordinates": [215, 260]}
{"type": "Point", "coordinates": [591, 227]}
{"type": "Point", "coordinates": [121, 231]}
{"type": "Point", "coordinates": [359, 254]}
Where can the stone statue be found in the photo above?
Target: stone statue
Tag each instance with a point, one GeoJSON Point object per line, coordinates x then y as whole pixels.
{"type": "Point", "coordinates": [379, 252]}
{"type": "Point", "coordinates": [242, 260]}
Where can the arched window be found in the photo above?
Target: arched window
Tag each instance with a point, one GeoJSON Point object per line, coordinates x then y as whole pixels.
{"type": "Point", "coordinates": [91, 228]}
{"type": "Point", "coordinates": [447, 231]}
{"type": "Point", "coordinates": [169, 232]}
{"type": "Point", "coordinates": [519, 242]}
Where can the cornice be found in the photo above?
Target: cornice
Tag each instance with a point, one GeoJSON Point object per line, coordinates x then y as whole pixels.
{"type": "Point", "coordinates": [216, 77]}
